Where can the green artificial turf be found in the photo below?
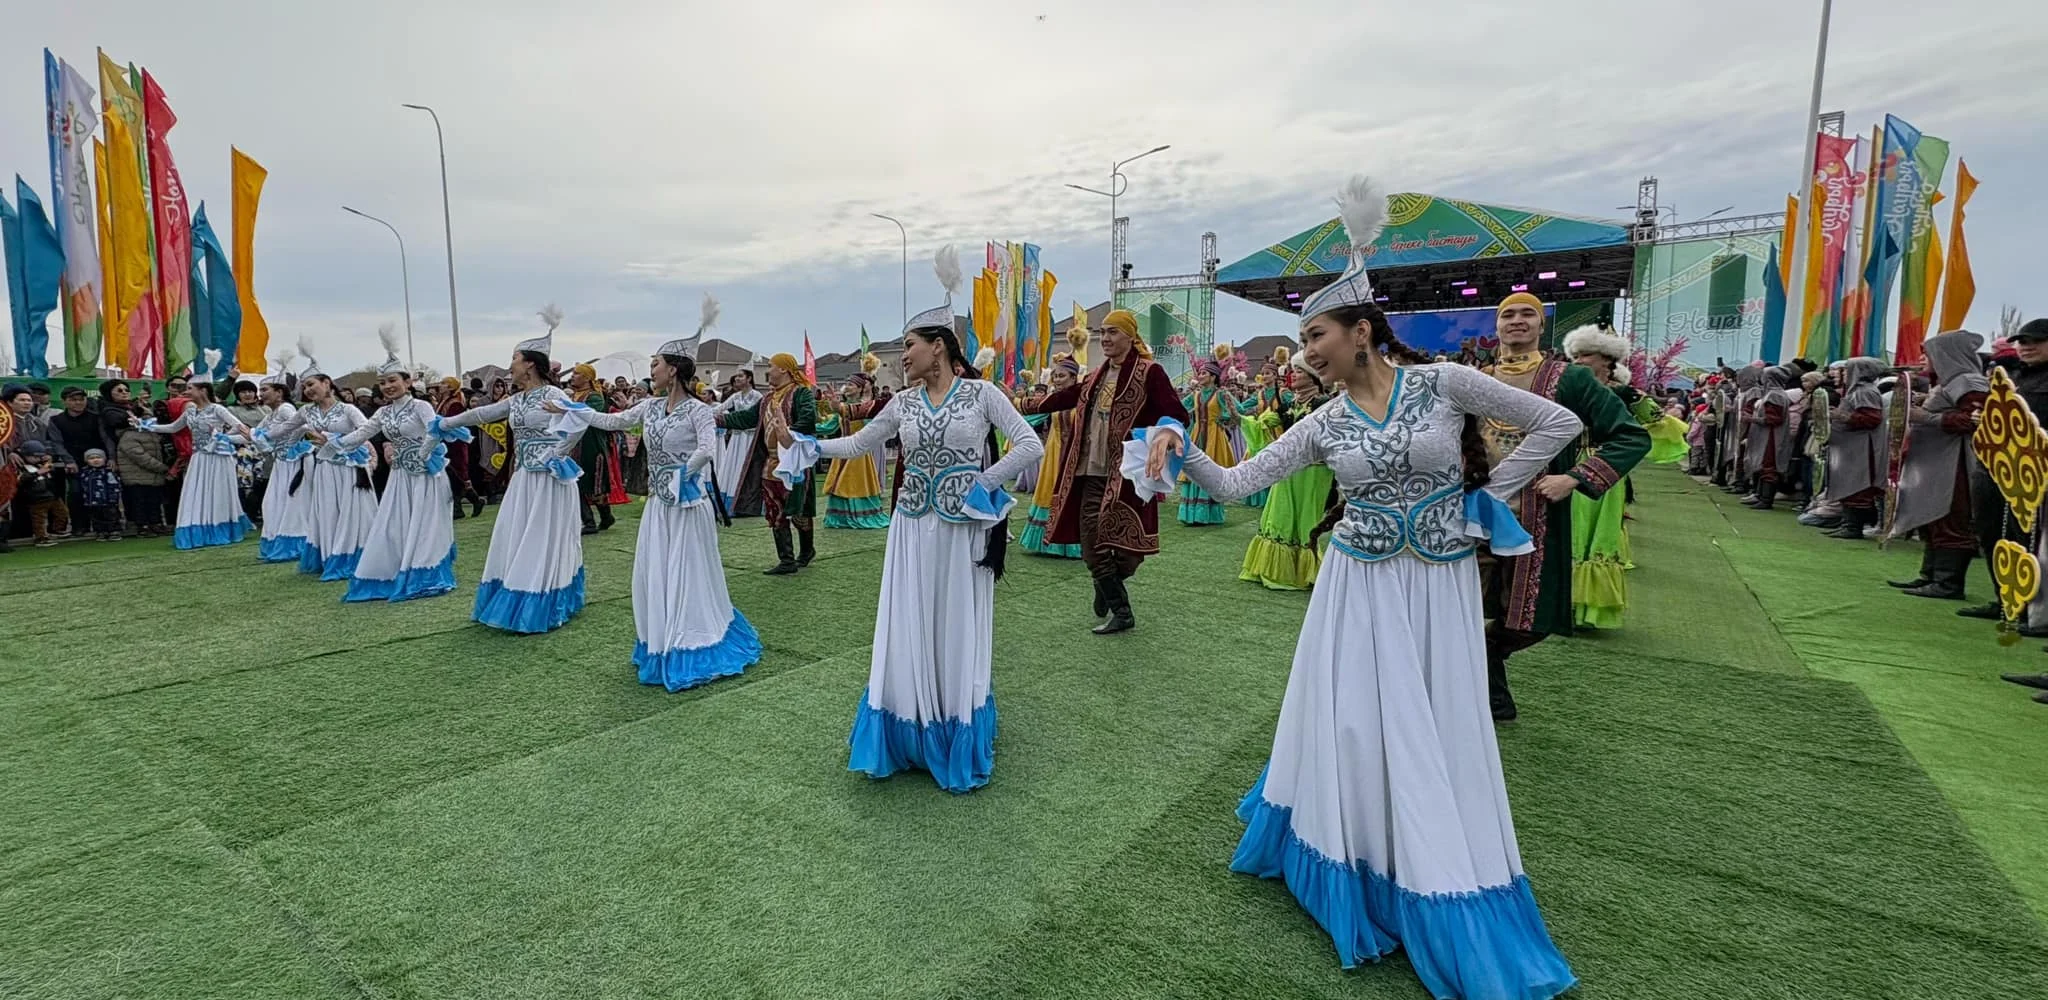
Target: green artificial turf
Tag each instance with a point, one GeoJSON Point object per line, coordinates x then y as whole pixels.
{"type": "Point", "coordinates": [220, 781]}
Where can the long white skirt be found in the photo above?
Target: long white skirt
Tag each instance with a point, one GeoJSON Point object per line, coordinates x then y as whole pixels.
{"type": "Point", "coordinates": [209, 507]}
{"type": "Point", "coordinates": [731, 463]}
{"type": "Point", "coordinates": [338, 519]}
{"type": "Point", "coordinates": [1383, 805]}
{"type": "Point", "coordinates": [533, 574]}
{"type": "Point", "coordinates": [929, 704]}
{"type": "Point", "coordinates": [411, 549]}
{"type": "Point", "coordinates": [689, 632]}
{"type": "Point", "coordinates": [284, 514]}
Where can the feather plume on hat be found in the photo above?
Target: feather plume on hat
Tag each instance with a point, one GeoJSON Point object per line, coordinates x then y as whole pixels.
{"type": "Point", "coordinates": [1362, 206]}
{"type": "Point", "coordinates": [946, 264]}
{"type": "Point", "coordinates": [984, 359]}
{"type": "Point", "coordinates": [1221, 351]}
{"type": "Point", "coordinates": [869, 363]}
{"type": "Point", "coordinates": [551, 314]}
{"type": "Point", "coordinates": [544, 344]}
{"type": "Point", "coordinates": [312, 363]}
{"type": "Point", "coordinates": [209, 360]}
{"type": "Point", "coordinates": [387, 335]}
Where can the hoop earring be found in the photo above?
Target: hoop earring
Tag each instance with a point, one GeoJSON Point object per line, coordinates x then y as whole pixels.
{"type": "Point", "coordinates": [1362, 359]}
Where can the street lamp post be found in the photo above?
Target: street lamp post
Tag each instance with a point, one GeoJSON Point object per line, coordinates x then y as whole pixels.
{"type": "Point", "coordinates": [906, 262]}
{"type": "Point", "coordinates": [405, 274]}
{"type": "Point", "coordinates": [1118, 183]}
{"type": "Point", "coordinates": [448, 233]}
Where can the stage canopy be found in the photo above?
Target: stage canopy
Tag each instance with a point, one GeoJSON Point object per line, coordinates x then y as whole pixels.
{"type": "Point", "coordinates": [1441, 253]}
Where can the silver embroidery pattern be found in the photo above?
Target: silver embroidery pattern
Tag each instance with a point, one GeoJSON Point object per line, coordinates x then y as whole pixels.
{"type": "Point", "coordinates": [407, 432]}
{"type": "Point", "coordinates": [942, 450]}
{"type": "Point", "coordinates": [1397, 503]}
{"type": "Point", "coordinates": [532, 445]}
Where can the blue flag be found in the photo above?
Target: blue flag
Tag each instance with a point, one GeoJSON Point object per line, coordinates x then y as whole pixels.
{"type": "Point", "coordinates": [35, 276]}
{"type": "Point", "coordinates": [217, 317]}
{"type": "Point", "coordinates": [1774, 310]}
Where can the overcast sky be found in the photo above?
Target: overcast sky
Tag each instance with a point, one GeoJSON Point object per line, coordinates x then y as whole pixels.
{"type": "Point", "coordinates": [621, 157]}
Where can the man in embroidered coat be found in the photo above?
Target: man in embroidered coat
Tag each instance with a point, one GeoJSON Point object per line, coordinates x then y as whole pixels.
{"type": "Point", "coordinates": [1529, 597]}
{"type": "Point", "coordinates": [790, 403]}
{"type": "Point", "coordinates": [1093, 506]}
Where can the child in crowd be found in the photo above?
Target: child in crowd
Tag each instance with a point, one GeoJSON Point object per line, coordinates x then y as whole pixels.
{"type": "Point", "coordinates": [142, 480]}
{"type": "Point", "coordinates": [100, 493]}
{"type": "Point", "coordinates": [39, 491]}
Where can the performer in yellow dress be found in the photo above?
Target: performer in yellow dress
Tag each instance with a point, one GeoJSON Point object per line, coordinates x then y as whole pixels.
{"type": "Point", "coordinates": [1065, 372]}
{"type": "Point", "coordinates": [853, 486]}
{"type": "Point", "coordinates": [1212, 411]}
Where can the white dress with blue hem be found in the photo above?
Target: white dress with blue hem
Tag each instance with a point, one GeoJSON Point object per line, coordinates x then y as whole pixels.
{"type": "Point", "coordinates": [338, 509]}
{"type": "Point", "coordinates": [533, 573]}
{"type": "Point", "coordinates": [209, 504]}
{"type": "Point", "coordinates": [930, 704]}
{"type": "Point", "coordinates": [688, 631]}
{"type": "Point", "coordinates": [284, 512]}
{"type": "Point", "coordinates": [734, 447]}
{"type": "Point", "coordinates": [410, 551]}
{"type": "Point", "coordinates": [1383, 806]}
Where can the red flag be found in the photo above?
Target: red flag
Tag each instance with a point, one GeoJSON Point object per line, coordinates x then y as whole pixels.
{"type": "Point", "coordinates": [810, 361]}
{"type": "Point", "coordinates": [170, 347]}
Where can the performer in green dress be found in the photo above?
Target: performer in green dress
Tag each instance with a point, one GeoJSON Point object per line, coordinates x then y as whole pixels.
{"type": "Point", "coordinates": [1529, 596]}
{"type": "Point", "coordinates": [1284, 554]}
{"type": "Point", "coordinates": [1600, 549]}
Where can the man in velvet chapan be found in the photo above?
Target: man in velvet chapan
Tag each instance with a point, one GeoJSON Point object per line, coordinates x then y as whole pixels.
{"type": "Point", "coordinates": [791, 403]}
{"type": "Point", "coordinates": [1093, 506]}
{"type": "Point", "coordinates": [1529, 597]}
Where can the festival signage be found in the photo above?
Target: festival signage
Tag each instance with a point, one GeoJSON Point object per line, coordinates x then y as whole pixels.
{"type": "Point", "coordinates": [1423, 229]}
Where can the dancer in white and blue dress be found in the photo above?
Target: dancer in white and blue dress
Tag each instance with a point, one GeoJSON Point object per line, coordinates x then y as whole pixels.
{"type": "Point", "coordinates": [1383, 805]}
{"type": "Point", "coordinates": [533, 573]}
{"type": "Point", "coordinates": [209, 505]}
{"type": "Point", "coordinates": [411, 549]}
{"type": "Point", "coordinates": [929, 702]}
{"type": "Point", "coordinates": [339, 505]}
{"type": "Point", "coordinates": [285, 499]}
{"type": "Point", "coordinates": [689, 632]}
{"type": "Point", "coordinates": [736, 447]}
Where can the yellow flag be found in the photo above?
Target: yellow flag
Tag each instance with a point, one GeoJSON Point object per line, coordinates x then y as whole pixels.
{"type": "Point", "coordinates": [1046, 283]}
{"type": "Point", "coordinates": [1962, 284]}
{"type": "Point", "coordinates": [1934, 257]}
{"type": "Point", "coordinates": [248, 190]}
{"type": "Point", "coordinates": [1785, 259]}
{"type": "Point", "coordinates": [1081, 323]}
{"type": "Point", "coordinates": [130, 215]}
{"type": "Point", "coordinates": [112, 332]}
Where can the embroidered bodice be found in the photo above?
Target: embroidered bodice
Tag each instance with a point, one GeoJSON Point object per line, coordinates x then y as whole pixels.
{"type": "Point", "coordinates": [407, 425]}
{"type": "Point", "coordinates": [680, 444]}
{"type": "Point", "coordinates": [1402, 477]}
{"type": "Point", "coordinates": [532, 442]}
{"type": "Point", "coordinates": [211, 426]}
{"type": "Point", "coordinates": [944, 445]}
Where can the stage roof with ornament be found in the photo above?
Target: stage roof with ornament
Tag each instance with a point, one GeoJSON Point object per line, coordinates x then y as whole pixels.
{"type": "Point", "coordinates": [1443, 253]}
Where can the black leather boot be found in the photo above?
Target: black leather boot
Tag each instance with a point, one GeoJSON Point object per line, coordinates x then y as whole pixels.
{"type": "Point", "coordinates": [459, 515]}
{"type": "Point", "coordinates": [1854, 519]}
{"type": "Point", "coordinates": [604, 517]}
{"type": "Point", "coordinates": [785, 554]}
{"type": "Point", "coordinates": [1923, 579]}
{"type": "Point", "coordinates": [807, 546]}
{"type": "Point", "coordinates": [1498, 698]}
{"type": "Point", "coordinates": [589, 521]}
{"type": "Point", "coordinates": [1101, 599]}
{"type": "Point", "coordinates": [1118, 598]}
{"type": "Point", "coordinates": [1945, 582]}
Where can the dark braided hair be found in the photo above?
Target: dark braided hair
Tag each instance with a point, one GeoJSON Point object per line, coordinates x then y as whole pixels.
{"type": "Point", "coordinates": [542, 368]}
{"type": "Point", "coordinates": [994, 556]}
{"type": "Point", "coordinates": [1477, 460]}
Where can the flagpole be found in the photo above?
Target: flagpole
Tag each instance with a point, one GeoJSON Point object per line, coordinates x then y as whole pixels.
{"type": "Point", "coordinates": [906, 263]}
{"type": "Point", "coordinates": [405, 275]}
{"type": "Point", "coordinates": [448, 234]}
{"type": "Point", "coordinates": [1795, 297]}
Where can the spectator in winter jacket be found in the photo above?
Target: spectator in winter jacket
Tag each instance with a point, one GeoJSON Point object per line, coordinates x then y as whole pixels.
{"type": "Point", "coordinates": [82, 432]}
{"type": "Point", "coordinates": [38, 491]}
{"type": "Point", "coordinates": [142, 479]}
{"type": "Point", "coordinates": [99, 490]}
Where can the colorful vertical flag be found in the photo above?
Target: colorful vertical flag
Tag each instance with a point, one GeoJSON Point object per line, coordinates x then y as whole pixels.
{"type": "Point", "coordinates": [104, 218]}
{"type": "Point", "coordinates": [1832, 201]}
{"type": "Point", "coordinates": [173, 220]}
{"type": "Point", "coordinates": [35, 276]}
{"type": "Point", "coordinates": [1044, 319]}
{"type": "Point", "coordinates": [982, 317]}
{"type": "Point", "coordinates": [1962, 284]}
{"type": "Point", "coordinates": [73, 117]}
{"type": "Point", "coordinates": [248, 190]}
{"type": "Point", "coordinates": [1916, 295]}
{"type": "Point", "coordinates": [810, 361]}
{"type": "Point", "coordinates": [1774, 303]}
{"type": "Point", "coordinates": [217, 321]}
{"type": "Point", "coordinates": [1029, 301]}
{"type": "Point", "coordinates": [864, 341]}
{"type": "Point", "coordinates": [132, 321]}
{"type": "Point", "coordinates": [1013, 311]}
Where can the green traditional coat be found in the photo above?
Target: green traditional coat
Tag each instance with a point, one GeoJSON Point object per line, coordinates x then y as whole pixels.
{"type": "Point", "coordinates": [802, 417]}
{"type": "Point", "coordinates": [1539, 594]}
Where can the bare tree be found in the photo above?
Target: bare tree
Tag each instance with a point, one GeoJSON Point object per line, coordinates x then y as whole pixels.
{"type": "Point", "coordinates": [2008, 321]}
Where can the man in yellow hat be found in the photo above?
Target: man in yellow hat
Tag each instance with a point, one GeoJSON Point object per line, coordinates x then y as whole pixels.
{"type": "Point", "coordinates": [790, 403]}
{"type": "Point", "coordinates": [1529, 596]}
{"type": "Point", "coordinates": [1093, 506]}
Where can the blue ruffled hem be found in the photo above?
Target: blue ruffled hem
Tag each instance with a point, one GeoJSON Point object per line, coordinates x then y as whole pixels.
{"type": "Point", "coordinates": [283, 548]}
{"type": "Point", "coordinates": [420, 581]}
{"type": "Point", "coordinates": [340, 567]}
{"type": "Point", "coordinates": [199, 536]}
{"type": "Point", "coordinates": [525, 611]}
{"type": "Point", "coordinates": [1197, 507]}
{"type": "Point", "coordinates": [677, 669]}
{"type": "Point", "coordinates": [1489, 943]}
{"type": "Point", "coordinates": [309, 557]}
{"type": "Point", "coordinates": [1033, 540]}
{"type": "Point", "coordinates": [959, 755]}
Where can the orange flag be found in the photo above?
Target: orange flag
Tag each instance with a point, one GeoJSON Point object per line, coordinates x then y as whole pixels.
{"type": "Point", "coordinates": [1962, 285]}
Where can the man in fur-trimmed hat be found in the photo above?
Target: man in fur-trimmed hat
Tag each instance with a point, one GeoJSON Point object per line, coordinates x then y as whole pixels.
{"type": "Point", "coordinates": [1092, 504]}
{"type": "Point", "coordinates": [1529, 597]}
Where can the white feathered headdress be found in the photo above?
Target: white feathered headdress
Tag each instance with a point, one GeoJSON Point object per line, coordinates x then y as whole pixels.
{"type": "Point", "coordinates": [544, 344]}
{"type": "Point", "coordinates": [686, 347]}
{"type": "Point", "coordinates": [209, 360]}
{"type": "Point", "coordinates": [1363, 207]}
{"type": "Point", "coordinates": [388, 336]}
{"type": "Point", "coordinates": [947, 266]}
{"type": "Point", "coordinates": [312, 363]}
